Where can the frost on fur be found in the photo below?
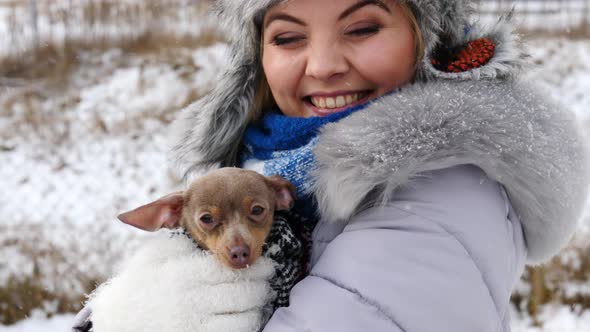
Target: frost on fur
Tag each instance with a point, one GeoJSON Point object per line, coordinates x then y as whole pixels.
{"type": "Point", "coordinates": [521, 140]}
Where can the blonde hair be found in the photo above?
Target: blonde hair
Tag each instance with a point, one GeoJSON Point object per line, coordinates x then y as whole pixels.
{"type": "Point", "coordinates": [263, 99]}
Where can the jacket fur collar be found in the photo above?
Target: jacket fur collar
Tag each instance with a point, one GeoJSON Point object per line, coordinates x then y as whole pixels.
{"type": "Point", "coordinates": [505, 128]}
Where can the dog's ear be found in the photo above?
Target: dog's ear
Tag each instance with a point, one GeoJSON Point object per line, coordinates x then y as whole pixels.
{"type": "Point", "coordinates": [164, 212]}
{"type": "Point", "coordinates": [284, 190]}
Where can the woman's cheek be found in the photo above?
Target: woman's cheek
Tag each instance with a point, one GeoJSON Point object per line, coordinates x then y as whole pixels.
{"type": "Point", "coordinates": [389, 66]}
{"type": "Point", "coordinates": [283, 73]}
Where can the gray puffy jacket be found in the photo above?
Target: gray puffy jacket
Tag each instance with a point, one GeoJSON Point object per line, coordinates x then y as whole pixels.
{"type": "Point", "coordinates": [433, 199]}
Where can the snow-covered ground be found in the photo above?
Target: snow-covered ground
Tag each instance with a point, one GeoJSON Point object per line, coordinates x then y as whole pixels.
{"type": "Point", "coordinates": [38, 323]}
{"type": "Point", "coordinates": [563, 67]}
{"type": "Point", "coordinates": [73, 158]}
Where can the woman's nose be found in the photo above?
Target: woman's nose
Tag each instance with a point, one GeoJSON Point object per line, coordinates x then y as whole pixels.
{"type": "Point", "coordinates": [325, 60]}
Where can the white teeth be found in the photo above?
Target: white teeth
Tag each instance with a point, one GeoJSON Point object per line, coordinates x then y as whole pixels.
{"type": "Point", "coordinates": [330, 103]}
{"type": "Point", "coordinates": [335, 102]}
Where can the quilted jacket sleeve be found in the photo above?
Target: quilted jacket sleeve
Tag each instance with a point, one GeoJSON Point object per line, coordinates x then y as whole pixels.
{"type": "Point", "coordinates": [443, 255]}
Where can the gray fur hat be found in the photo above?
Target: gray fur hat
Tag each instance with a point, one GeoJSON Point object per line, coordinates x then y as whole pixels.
{"type": "Point", "coordinates": [211, 128]}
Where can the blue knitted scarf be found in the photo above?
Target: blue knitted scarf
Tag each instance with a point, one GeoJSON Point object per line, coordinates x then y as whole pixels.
{"type": "Point", "coordinates": [283, 145]}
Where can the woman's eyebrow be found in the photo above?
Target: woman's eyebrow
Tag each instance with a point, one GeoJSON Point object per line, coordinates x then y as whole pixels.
{"type": "Point", "coordinates": [362, 4]}
{"type": "Point", "coordinates": [350, 10]}
{"type": "Point", "coordinates": [284, 17]}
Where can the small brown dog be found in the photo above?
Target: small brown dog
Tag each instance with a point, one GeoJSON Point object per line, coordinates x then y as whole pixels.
{"type": "Point", "coordinates": [228, 211]}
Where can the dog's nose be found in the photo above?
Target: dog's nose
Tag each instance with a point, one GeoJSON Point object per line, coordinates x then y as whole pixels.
{"type": "Point", "coordinates": [239, 256]}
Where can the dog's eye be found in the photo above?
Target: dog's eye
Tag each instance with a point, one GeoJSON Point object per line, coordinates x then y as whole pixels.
{"type": "Point", "coordinates": [257, 210]}
{"type": "Point", "coordinates": [207, 219]}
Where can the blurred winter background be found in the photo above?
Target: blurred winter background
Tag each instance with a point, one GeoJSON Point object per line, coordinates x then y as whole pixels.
{"type": "Point", "coordinates": [88, 89]}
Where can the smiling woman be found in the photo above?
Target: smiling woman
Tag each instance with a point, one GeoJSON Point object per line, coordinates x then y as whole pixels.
{"type": "Point", "coordinates": [320, 57]}
{"type": "Point", "coordinates": [424, 195]}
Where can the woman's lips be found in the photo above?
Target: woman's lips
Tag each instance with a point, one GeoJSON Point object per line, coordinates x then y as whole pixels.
{"type": "Point", "coordinates": [323, 105]}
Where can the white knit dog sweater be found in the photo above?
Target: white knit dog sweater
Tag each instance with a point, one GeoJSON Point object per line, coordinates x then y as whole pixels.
{"type": "Point", "coordinates": [171, 285]}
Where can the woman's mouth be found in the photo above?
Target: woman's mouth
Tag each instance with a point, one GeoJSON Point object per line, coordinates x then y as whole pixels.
{"type": "Point", "coordinates": [324, 105]}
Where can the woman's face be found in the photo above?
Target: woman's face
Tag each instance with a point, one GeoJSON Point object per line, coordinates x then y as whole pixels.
{"type": "Point", "coordinates": [323, 56]}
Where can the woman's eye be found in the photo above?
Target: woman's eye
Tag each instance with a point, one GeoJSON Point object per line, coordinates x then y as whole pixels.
{"type": "Point", "coordinates": [257, 210]}
{"type": "Point", "coordinates": [364, 31]}
{"type": "Point", "coordinates": [286, 40]}
{"type": "Point", "coordinates": [206, 219]}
